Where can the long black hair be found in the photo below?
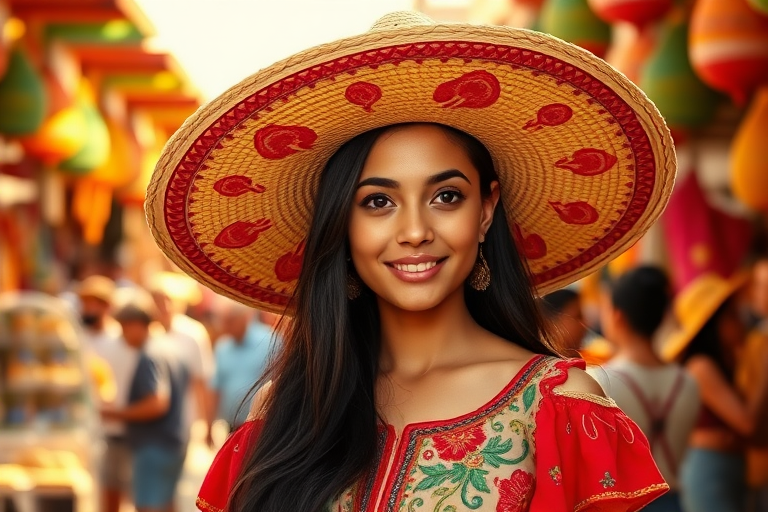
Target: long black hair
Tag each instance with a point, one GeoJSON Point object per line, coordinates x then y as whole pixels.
{"type": "Point", "coordinates": [707, 343]}
{"type": "Point", "coordinates": [320, 421]}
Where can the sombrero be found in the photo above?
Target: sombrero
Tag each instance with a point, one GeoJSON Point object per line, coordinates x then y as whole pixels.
{"type": "Point", "coordinates": [586, 162]}
{"type": "Point", "coordinates": [695, 305]}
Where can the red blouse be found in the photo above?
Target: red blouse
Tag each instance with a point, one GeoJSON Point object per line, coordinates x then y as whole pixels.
{"type": "Point", "coordinates": [533, 448]}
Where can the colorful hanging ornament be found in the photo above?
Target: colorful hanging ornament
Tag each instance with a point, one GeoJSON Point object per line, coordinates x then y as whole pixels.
{"type": "Point", "coordinates": [575, 22]}
{"type": "Point", "coordinates": [22, 97]}
{"type": "Point", "coordinates": [95, 151]}
{"type": "Point", "coordinates": [669, 80]}
{"type": "Point", "coordinates": [533, 4]}
{"type": "Point", "coordinates": [749, 158]}
{"type": "Point", "coordinates": [122, 165]}
{"type": "Point", "coordinates": [729, 47]}
{"type": "Point", "coordinates": [637, 12]}
{"type": "Point", "coordinates": [633, 53]}
{"type": "Point", "coordinates": [760, 6]}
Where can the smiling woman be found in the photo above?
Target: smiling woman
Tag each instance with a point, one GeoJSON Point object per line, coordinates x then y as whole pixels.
{"type": "Point", "coordinates": [446, 184]}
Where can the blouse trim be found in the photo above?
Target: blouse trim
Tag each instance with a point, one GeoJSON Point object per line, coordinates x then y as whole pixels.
{"type": "Point", "coordinates": [204, 506]}
{"type": "Point", "coordinates": [612, 495]}
{"type": "Point", "coordinates": [589, 397]}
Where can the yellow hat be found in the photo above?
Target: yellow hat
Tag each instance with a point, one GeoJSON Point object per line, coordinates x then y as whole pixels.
{"type": "Point", "coordinates": [99, 287]}
{"type": "Point", "coordinates": [695, 305]}
{"type": "Point", "coordinates": [585, 161]}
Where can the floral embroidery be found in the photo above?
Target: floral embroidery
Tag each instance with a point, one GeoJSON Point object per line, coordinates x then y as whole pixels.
{"type": "Point", "coordinates": [455, 445]}
{"type": "Point", "coordinates": [515, 493]}
{"type": "Point", "coordinates": [550, 115]}
{"type": "Point", "coordinates": [556, 475]}
{"type": "Point", "coordinates": [428, 455]}
{"type": "Point", "coordinates": [476, 89]}
{"type": "Point", "coordinates": [608, 481]}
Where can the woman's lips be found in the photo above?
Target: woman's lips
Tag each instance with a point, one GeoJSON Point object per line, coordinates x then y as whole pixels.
{"type": "Point", "coordinates": [416, 272]}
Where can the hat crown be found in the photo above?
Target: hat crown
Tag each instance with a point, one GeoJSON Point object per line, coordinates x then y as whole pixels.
{"type": "Point", "coordinates": [400, 20]}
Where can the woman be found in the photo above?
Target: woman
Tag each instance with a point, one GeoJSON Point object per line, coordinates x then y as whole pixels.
{"type": "Point", "coordinates": [712, 333]}
{"type": "Point", "coordinates": [343, 186]}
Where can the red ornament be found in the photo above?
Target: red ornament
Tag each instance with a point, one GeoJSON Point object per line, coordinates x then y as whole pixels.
{"type": "Point", "coordinates": [477, 89]}
{"type": "Point", "coordinates": [364, 94]}
{"type": "Point", "coordinates": [241, 234]}
{"type": "Point", "coordinates": [233, 186]}
{"type": "Point", "coordinates": [550, 115]}
{"type": "Point", "coordinates": [288, 266]}
{"type": "Point", "coordinates": [588, 162]}
{"type": "Point", "coordinates": [579, 212]}
{"type": "Point", "coordinates": [637, 12]}
{"type": "Point", "coordinates": [275, 142]}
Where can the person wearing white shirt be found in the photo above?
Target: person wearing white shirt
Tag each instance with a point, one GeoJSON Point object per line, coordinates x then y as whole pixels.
{"type": "Point", "coordinates": [660, 397]}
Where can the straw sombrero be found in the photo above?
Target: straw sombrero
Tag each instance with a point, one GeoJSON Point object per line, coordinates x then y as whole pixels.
{"type": "Point", "coordinates": [585, 160]}
{"type": "Point", "coordinates": [695, 305]}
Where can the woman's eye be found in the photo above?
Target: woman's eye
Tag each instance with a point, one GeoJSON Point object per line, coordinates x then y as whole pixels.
{"type": "Point", "coordinates": [376, 202]}
{"type": "Point", "coordinates": [449, 196]}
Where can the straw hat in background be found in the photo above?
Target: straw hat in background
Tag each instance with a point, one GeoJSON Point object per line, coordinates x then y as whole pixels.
{"type": "Point", "coordinates": [98, 287]}
{"type": "Point", "coordinates": [695, 305]}
{"type": "Point", "coordinates": [585, 161]}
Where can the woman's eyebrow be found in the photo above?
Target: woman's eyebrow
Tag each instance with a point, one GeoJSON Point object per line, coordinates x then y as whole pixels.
{"type": "Point", "coordinates": [379, 182]}
{"type": "Point", "coordinates": [446, 175]}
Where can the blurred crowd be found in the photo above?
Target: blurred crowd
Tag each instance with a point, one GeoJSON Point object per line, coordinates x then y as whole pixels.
{"type": "Point", "coordinates": [690, 369]}
{"type": "Point", "coordinates": [161, 360]}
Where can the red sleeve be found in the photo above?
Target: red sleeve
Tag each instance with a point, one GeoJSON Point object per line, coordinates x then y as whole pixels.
{"type": "Point", "coordinates": [223, 473]}
{"type": "Point", "coordinates": [590, 456]}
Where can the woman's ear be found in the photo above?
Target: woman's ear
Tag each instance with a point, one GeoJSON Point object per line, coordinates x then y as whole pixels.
{"type": "Point", "coordinates": [489, 206]}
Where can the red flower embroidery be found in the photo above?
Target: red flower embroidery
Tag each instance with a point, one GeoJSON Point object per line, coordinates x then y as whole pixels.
{"type": "Point", "coordinates": [514, 492]}
{"type": "Point", "coordinates": [241, 234]}
{"type": "Point", "coordinates": [275, 142]}
{"type": "Point", "coordinates": [550, 115]}
{"type": "Point", "coordinates": [233, 186]}
{"type": "Point", "coordinates": [363, 94]}
{"type": "Point", "coordinates": [588, 162]}
{"type": "Point", "coordinates": [476, 89]}
{"type": "Point", "coordinates": [455, 445]}
{"type": "Point", "coordinates": [579, 212]}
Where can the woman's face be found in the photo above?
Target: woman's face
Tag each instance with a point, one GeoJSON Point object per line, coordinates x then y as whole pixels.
{"type": "Point", "coordinates": [418, 217]}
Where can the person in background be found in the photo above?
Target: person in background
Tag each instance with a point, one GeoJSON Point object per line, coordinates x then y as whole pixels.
{"type": "Point", "coordinates": [240, 354]}
{"type": "Point", "coordinates": [711, 334]}
{"type": "Point", "coordinates": [563, 310]}
{"type": "Point", "coordinates": [191, 338]}
{"type": "Point", "coordinates": [660, 397]}
{"type": "Point", "coordinates": [103, 339]}
{"type": "Point", "coordinates": [154, 414]}
{"type": "Point", "coordinates": [749, 371]}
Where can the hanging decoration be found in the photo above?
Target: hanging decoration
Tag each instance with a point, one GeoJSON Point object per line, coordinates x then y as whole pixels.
{"type": "Point", "coordinates": [669, 80]}
{"type": "Point", "coordinates": [637, 12]}
{"type": "Point", "coordinates": [760, 6]}
{"type": "Point", "coordinates": [95, 151]}
{"type": "Point", "coordinates": [729, 47]}
{"type": "Point", "coordinates": [575, 22]}
{"type": "Point", "coordinates": [122, 165]}
{"type": "Point", "coordinates": [92, 207]}
{"type": "Point", "coordinates": [22, 97]}
{"type": "Point", "coordinates": [749, 158]}
{"type": "Point", "coordinates": [633, 54]}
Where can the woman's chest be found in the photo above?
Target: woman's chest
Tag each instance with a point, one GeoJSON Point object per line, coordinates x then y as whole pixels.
{"type": "Point", "coordinates": [481, 461]}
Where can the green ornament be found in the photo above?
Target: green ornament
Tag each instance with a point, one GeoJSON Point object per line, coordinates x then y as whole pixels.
{"type": "Point", "coordinates": [574, 21]}
{"type": "Point", "coordinates": [23, 102]}
{"type": "Point", "coordinates": [95, 151]}
{"type": "Point", "coordinates": [760, 6]}
{"type": "Point", "coordinates": [670, 82]}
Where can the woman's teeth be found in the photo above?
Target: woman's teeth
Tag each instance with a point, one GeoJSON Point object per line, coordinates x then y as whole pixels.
{"type": "Point", "coordinates": [421, 267]}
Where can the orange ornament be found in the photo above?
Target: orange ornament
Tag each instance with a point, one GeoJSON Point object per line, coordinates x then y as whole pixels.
{"type": "Point", "coordinates": [749, 159]}
{"type": "Point", "coordinates": [122, 166]}
{"type": "Point", "coordinates": [631, 56]}
{"type": "Point", "coordinates": [728, 46]}
{"type": "Point", "coordinates": [61, 136]}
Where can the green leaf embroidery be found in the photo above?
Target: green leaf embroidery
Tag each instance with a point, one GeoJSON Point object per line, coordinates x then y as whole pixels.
{"type": "Point", "coordinates": [441, 491]}
{"type": "Point", "coordinates": [438, 474]}
{"type": "Point", "coordinates": [528, 395]}
{"type": "Point", "coordinates": [477, 478]}
{"type": "Point", "coordinates": [474, 503]}
{"type": "Point", "coordinates": [415, 503]}
{"type": "Point", "coordinates": [493, 451]}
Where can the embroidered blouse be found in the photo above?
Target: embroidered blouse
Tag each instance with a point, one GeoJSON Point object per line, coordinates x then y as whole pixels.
{"type": "Point", "coordinates": [533, 448]}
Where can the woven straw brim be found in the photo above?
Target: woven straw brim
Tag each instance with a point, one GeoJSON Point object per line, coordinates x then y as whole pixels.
{"type": "Point", "coordinates": [585, 160]}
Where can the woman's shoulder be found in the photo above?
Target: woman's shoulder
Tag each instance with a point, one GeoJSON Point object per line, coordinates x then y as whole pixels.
{"type": "Point", "coordinates": [259, 402]}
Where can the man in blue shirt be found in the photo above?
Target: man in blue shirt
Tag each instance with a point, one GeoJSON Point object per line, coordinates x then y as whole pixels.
{"type": "Point", "coordinates": [241, 355]}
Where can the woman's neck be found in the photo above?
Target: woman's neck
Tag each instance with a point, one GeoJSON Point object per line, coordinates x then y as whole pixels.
{"type": "Point", "coordinates": [413, 343]}
{"type": "Point", "coordinates": [637, 349]}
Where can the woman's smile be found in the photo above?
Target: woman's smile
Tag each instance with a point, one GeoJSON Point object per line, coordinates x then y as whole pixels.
{"type": "Point", "coordinates": [416, 268]}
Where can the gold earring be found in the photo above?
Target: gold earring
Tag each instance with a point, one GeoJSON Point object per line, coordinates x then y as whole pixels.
{"type": "Point", "coordinates": [353, 287]}
{"type": "Point", "coordinates": [480, 278]}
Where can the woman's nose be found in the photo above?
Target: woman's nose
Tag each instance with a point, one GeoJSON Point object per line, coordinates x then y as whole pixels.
{"type": "Point", "coordinates": [415, 227]}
